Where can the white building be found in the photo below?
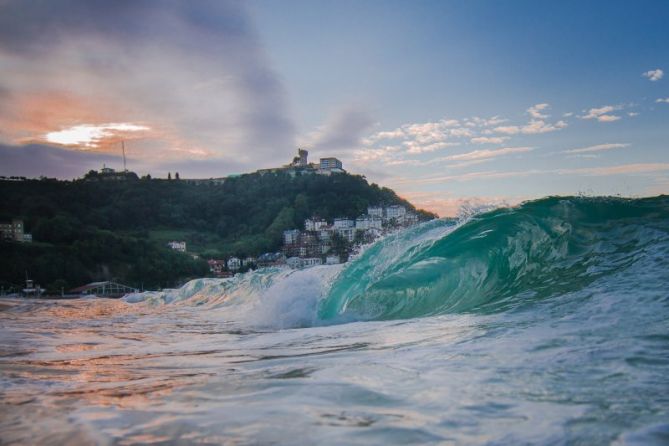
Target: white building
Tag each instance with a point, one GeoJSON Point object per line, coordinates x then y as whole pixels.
{"type": "Point", "coordinates": [290, 236]}
{"type": "Point", "coordinates": [332, 260]}
{"type": "Point", "coordinates": [342, 223]}
{"type": "Point", "coordinates": [366, 222]}
{"type": "Point", "coordinates": [234, 264]}
{"type": "Point", "coordinates": [325, 234]}
{"type": "Point", "coordinates": [294, 262]}
{"type": "Point", "coordinates": [374, 233]}
{"type": "Point", "coordinates": [375, 211]}
{"type": "Point", "coordinates": [297, 262]}
{"type": "Point", "coordinates": [313, 261]}
{"type": "Point", "coordinates": [314, 224]}
{"type": "Point", "coordinates": [411, 219]}
{"type": "Point", "coordinates": [396, 211]}
{"type": "Point", "coordinates": [347, 233]}
{"type": "Point", "coordinates": [13, 231]}
{"type": "Point", "coordinates": [177, 246]}
{"type": "Point", "coordinates": [331, 164]}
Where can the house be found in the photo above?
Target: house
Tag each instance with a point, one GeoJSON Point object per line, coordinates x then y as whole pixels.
{"type": "Point", "coordinates": [249, 261]}
{"type": "Point", "coordinates": [216, 267]}
{"type": "Point", "coordinates": [332, 260]}
{"type": "Point", "coordinates": [314, 224]}
{"type": "Point", "coordinates": [375, 211]}
{"type": "Point", "coordinates": [13, 231]}
{"type": "Point", "coordinates": [325, 234]}
{"type": "Point", "coordinates": [313, 261]}
{"type": "Point", "coordinates": [271, 259]}
{"type": "Point", "coordinates": [298, 263]}
{"type": "Point", "coordinates": [366, 222]}
{"type": "Point", "coordinates": [330, 165]}
{"type": "Point", "coordinates": [347, 233]}
{"type": "Point", "coordinates": [341, 223]}
{"type": "Point", "coordinates": [396, 212]}
{"type": "Point", "coordinates": [177, 246]}
{"type": "Point", "coordinates": [290, 236]}
{"type": "Point", "coordinates": [294, 262]}
{"type": "Point", "coordinates": [234, 264]}
{"type": "Point", "coordinates": [411, 219]}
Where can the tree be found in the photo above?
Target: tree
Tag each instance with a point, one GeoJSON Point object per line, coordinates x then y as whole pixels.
{"type": "Point", "coordinates": [169, 176]}
{"type": "Point", "coordinates": [176, 176]}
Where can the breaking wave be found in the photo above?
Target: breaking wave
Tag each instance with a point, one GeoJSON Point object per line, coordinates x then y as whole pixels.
{"type": "Point", "coordinates": [492, 262]}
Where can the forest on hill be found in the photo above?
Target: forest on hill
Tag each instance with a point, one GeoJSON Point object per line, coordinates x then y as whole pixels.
{"type": "Point", "coordinates": [87, 230]}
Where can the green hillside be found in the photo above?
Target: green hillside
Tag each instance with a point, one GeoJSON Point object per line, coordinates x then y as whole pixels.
{"type": "Point", "coordinates": [95, 230]}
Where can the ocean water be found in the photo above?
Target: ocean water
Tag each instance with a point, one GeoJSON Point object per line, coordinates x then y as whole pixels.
{"type": "Point", "coordinates": [546, 323]}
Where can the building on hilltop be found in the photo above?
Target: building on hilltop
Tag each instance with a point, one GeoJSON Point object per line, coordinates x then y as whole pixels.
{"type": "Point", "coordinates": [330, 165]}
{"type": "Point", "coordinates": [301, 160]}
{"type": "Point", "coordinates": [109, 174]}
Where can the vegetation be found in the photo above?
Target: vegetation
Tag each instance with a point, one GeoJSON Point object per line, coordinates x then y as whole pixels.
{"type": "Point", "coordinates": [88, 230]}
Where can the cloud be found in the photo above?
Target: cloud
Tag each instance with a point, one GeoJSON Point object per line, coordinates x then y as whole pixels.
{"type": "Point", "coordinates": [35, 160]}
{"type": "Point", "coordinates": [654, 75]}
{"type": "Point", "coordinates": [414, 147]}
{"type": "Point", "coordinates": [597, 148]}
{"type": "Point", "coordinates": [483, 122]}
{"type": "Point", "coordinates": [535, 111]}
{"type": "Point", "coordinates": [89, 136]}
{"type": "Point", "coordinates": [392, 134]}
{"type": "Point", "coordinates": [534, 127]}
{"type": "Point", "coordinates": [486, 154]}
{"type": "Point", "coordinates": [489, 139]}
{"type": "Point", "coordinates": [195, 73]}
{"type": "Point", "coordinates": [601, 114]}
{"type": "Point", "coordinates": [344, 131]}
{"type": "Point", "coordinates": [661, 100]}
{"type": "Point", "coordinates": [625, 169]}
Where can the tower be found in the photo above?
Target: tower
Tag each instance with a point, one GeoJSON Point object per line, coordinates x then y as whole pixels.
{"type": "Point", "coordinates": [125, 169]}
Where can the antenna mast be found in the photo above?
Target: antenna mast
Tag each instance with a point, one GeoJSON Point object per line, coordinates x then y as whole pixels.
{"type": "Point", "coordinates": [125, 169]}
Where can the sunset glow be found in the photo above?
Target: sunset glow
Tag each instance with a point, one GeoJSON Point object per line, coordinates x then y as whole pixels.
{"type": "Point", "coordinates": [87, 136]}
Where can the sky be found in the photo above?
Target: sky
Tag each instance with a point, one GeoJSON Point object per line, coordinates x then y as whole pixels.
{"type": "Point", "coordinates": [450, 103]}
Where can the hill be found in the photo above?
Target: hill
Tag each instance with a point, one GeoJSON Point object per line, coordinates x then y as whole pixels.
{"type": "Point", "coordinates": [96, 230]}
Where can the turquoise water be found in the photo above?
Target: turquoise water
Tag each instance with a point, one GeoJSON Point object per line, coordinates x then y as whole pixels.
{"type": "Point", "coordinates": [546, 323]}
